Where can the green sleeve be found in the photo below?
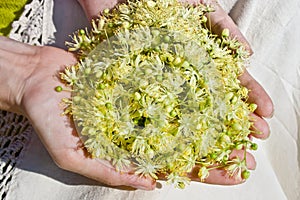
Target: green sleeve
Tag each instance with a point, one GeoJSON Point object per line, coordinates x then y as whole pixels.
{"type": "Point", "coordinates": [10, 10]}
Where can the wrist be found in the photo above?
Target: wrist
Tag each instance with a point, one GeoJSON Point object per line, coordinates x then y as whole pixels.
{"type": "Point", "coordinates": [15, 69]}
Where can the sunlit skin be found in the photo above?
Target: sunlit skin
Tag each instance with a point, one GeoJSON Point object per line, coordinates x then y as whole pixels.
{"type": "Point", "coordinates": [31, 92]}
{"type": "Point", "coordinates": [154, 75]}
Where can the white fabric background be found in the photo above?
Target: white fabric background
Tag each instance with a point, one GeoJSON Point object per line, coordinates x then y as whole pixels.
{"type": "Point", "coordinates": [272, 27]}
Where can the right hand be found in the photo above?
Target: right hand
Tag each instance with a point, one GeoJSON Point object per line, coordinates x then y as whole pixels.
{"type": "Point", "coordinates": [218, 21]}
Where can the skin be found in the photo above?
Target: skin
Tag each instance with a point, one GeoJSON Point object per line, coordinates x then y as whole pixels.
{"type": "Point", "coordinates": [30, 91]}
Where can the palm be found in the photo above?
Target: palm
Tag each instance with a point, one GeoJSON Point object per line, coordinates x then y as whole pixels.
{"type": "Point", "coordinates": [43, 106]}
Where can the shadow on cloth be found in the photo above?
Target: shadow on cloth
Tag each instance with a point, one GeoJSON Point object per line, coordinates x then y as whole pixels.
{"type": "Point", "coordinates": [36, 159]}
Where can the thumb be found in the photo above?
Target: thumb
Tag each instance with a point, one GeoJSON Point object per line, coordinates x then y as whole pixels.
{"type": "Point", "coordinates": [80, 162]}
{"type": "Point", "coordinates": [219, 20]}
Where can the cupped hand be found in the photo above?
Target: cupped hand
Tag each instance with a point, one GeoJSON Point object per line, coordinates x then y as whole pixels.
{"type": "Point", "coordinates": [218, 21]}
{"type": "Point", "coordinates": [41, 104]}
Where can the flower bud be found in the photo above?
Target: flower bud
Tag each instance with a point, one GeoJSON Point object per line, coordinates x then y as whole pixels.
{"type": "Point", "coordinates": [245, 174]}
{"type": "Point", "coordinates": [225, 33]}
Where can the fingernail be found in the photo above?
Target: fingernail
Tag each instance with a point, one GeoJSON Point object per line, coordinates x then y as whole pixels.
{"type": "Point", "coordinates": [271, 115]}
{"type": "Point", "coordinates": [150, 186]}
{"type": "Point", "coordinates": [268, 135]}
{"type": "Point", "coordinates": [142, 187]}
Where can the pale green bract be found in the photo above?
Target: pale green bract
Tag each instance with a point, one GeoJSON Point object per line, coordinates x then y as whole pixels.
{"type": "Point", "coordinates": [157, 91]}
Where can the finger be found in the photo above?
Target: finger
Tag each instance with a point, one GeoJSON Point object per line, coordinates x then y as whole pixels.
{"type": "Point", "coordinates": [219, 20]}
{"type": "Point", "coordinates": [76, 159]}
{"type": "Point", "coordinates": [220, 176]}
{"type": "Point", "coordinates": [257, 95]}
{"type": "Point", "coordinates": [260, 127]}
{"type": "Point", "coordinates": [78, 162]}
{"type": "Point", "coordinates": [251, 163]}
{"type": "Point", "coordinates": [58, 56]}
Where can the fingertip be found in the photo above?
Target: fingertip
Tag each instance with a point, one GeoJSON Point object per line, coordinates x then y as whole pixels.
{"type": "Point", "coordinates": [142, 182]}
{"type": "Point", "coordinates": [268, 109]}
{"type": "Point", "coordinates": [257, 95]}
{"type": "Point", "coordinates": [265, 108]}
{"type": "Point", "coordinates": [250, 160]}
{"type": "Point", "coordinates": [222, 177]}
{"type": "Point", "coordinates": [219, 20]}
{"type": "Point", "coordinates": [260, 127]}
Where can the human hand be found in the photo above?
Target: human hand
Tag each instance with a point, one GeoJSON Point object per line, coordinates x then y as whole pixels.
{"type": "Point", "coordinates": [35, 75]}
{"type": "Point", "coordinates": [58, 133]}
{"type": "Point", "coordinates": [218, 21]}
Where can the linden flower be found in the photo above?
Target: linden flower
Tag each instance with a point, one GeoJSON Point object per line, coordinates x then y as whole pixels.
{"type": "Point", "coordinates": [238, 168]}
{"type": "Point", "coordinates": [178, 180]}
{"type": "Point", "coordinates": [147, 167]}
{"type": "Point", "coordinates": [157, 91]}
{"type": "Point", "coordinates": [203, 173]}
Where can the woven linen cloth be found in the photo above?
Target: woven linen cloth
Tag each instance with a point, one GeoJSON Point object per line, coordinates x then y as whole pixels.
{"type": "Point", "coordinates": [272, 28]}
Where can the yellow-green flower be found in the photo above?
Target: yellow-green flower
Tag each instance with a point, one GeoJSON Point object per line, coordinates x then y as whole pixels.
{"type": "Point", "coordinates": [155, 89]}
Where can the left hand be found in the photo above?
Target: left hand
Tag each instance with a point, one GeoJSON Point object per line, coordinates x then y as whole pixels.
{"type": "Point", "coordinates": [28, 78]}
